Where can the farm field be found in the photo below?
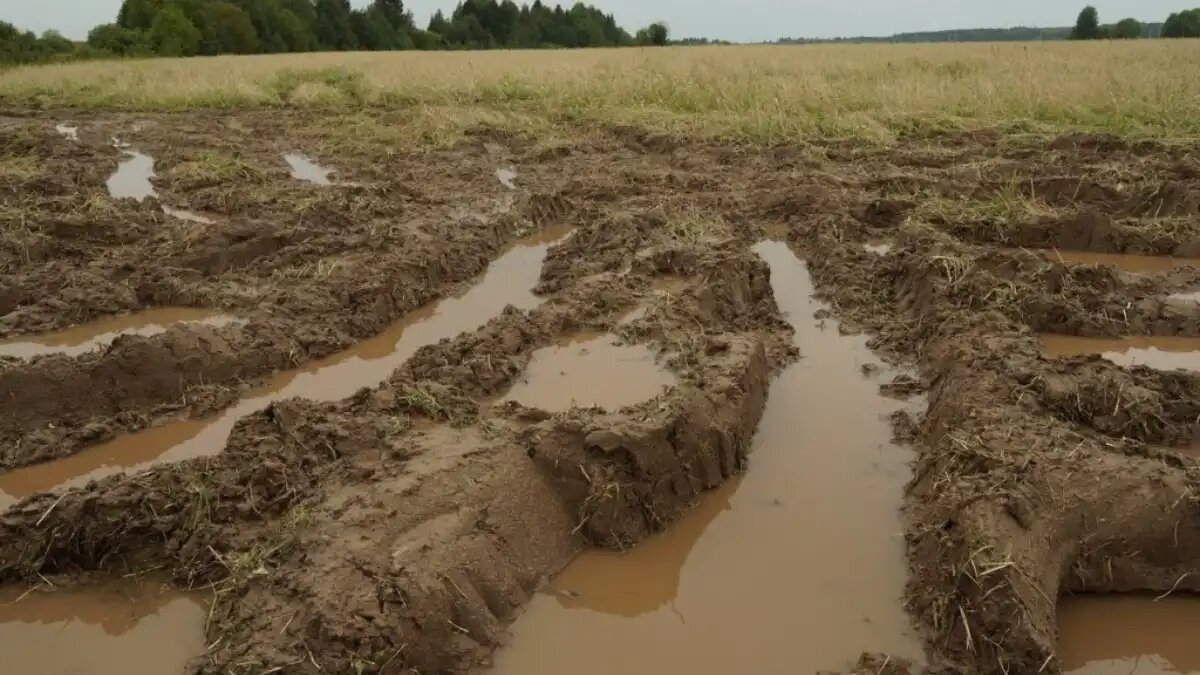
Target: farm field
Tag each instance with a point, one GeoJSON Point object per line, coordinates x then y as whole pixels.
{"type": "Point", "coordinates": [870, 359]}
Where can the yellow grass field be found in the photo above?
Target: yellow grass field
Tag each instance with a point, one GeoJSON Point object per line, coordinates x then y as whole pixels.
{"type": "Point", "coordinates": [742, 92]}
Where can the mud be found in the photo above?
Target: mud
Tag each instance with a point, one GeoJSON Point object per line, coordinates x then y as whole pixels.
{"type": "Point", "coordinates": [508, 282]}
{"type": "Point", "coordinates": [403, 527]}
{"type": "Point", "coordinates": [585, 370]}
{"type": "Point", "coordinates": [1162, 353]}
{"type": "Point", "coordinates": [1128, 635]}
{"type": "Point", "coordinates": [96, 334]}
{"type": "Point", "coordinates": [307, 170]}
{"type": "Point", "coordinates": [115, 628]}
{"type": "Point", "coordinates": [812, 589]}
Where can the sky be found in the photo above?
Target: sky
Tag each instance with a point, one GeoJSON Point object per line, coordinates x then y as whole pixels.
{"type": "Point", "coordinates": [736, 21]}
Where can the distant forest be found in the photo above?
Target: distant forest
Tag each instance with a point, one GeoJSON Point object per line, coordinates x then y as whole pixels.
{"type": "Point", "coordinates": [1017, 34]}
{"type": "Point", "coordinates": [211, 27]}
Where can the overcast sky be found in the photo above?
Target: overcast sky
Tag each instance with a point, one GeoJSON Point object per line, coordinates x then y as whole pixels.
{"type": "Point", "coordinates": [737, 20]}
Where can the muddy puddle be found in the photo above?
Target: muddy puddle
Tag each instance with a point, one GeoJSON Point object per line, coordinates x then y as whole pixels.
{"type": "Point", "coordinates": [1128, 635]}
{"type": "Point", "coordinates": [590, 369]}
{"type": "Point", "coordinates": [509, 280]}
{"type": "Point", "coordinates": [133, 179]}
{"type": "Point", "coordinates": [812, 535]}
{"type": "Point", "coordinates": [305, 169]}
{"type": "Point", "coordinates": [507, 178]}
{"type": "Point", "coordinates": [67, 131]}
{"type": "Point", "coordinates": [1161, 353]}
{"type": "Point", "coordinates": [1191, 296]}
{"type": "Point", "coordinates": [1143, 264]}
{"type": "Point", "coordinates": [879, 248]}
{"type": "Point", "coordinates": [111, 629]}
{"type": "Point", "coordinates": [81, 339]}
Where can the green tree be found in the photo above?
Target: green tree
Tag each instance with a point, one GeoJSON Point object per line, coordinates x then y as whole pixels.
{"type": "Point", "coordinates": [438, 24]}
{"type": "Point", "coordinates": [118, 40]}
{"type": "Point", "coordinates": [172, 34]}
{"type": "Point", "coordinates": [139, 14]}
{"type": "Point", "coordinates": [332, 28]}
{"type": "Point", "coordinates": [235, 33]}
{"type": "Point", "coordinates": [656, 34]}
{"type": "Point", "coordinates": [52, 42]}
{"type": "Point", "coordinates": [1185, 24]}
{"type": "Point", "coordinates": [1087, 27]}
{"type": "Point", "coordinates": [1127, 29]}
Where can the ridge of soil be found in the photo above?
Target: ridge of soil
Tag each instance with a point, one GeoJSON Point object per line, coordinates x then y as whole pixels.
{"type": "Point", "coordinates": [405, 527]}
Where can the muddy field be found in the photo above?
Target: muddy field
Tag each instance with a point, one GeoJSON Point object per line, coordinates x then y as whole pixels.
{"type": "Point", "coordinates": [363, 411]}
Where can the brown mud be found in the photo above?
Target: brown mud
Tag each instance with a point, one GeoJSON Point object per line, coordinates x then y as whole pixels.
{"type": "Point", "coordinates": [507, 282]}
{"type": "Point", "coordinates": [405, 526]}
{"type": "Point", "coordinates": [101, 332]}
{"type": "Point", "coordinates": [819, 567]}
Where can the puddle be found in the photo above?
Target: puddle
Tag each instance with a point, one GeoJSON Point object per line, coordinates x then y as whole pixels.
{"type": "Point", "coordinates": [879, 249]}
{"type": "Point", "coordinates": [590, 369]}
{"type": "Point", "coordinates": [1193, 296]}
{"type": "Point", "coordinates": [110, 629]}
{"type": "Point", "coordinates": [1144, 264]}
{"type": "Point", "coordinates": [507, 178]}
{"type": "Point", "coordinates": [1161, 353]}
{"type": "Point", "coordinates": [509, 280]}
{"type": "Point", "coordinates": [132, 180]}
{"type": "Point", "coordinates": [82, 339]}
{"type": "Point", "coordinates": [797, 569]}
{"type": "Point", "coordinates": [306, 169]}
{"type": "Point", "coordinates": [1128, 635]}
{"type": "Point", "coordinates": [68, 131]}
{"type": "Point", "coordinates": [132, 177]}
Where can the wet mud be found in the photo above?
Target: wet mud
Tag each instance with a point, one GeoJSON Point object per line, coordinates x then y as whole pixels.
{"type": "Point", "coordinates": [509, 281]}
{"type": "Point", "coordinates": [819, 567]}
{"type": "Point", "coordinates": [96, 334]}
{"type": "Point", "coordinates": [307, 170]}
{"type": "Point", "coordinates": [345, 475]}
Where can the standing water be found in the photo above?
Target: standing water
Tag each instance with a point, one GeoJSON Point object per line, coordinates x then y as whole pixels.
{"type": "Point", "coordinates": [798, 568]}
{"type": "Point", "coordinates": [132, 179]}
{"type": "Point", "coordinates": [84, 338]}
{"type": "Point", "coordinates": [1128, 635]}
{"type": "Point", "coordinates": [111, 629]}
{"type": "Point", "coordinates": [307, 170]}
{"type": "Point", "coordinates": [1159, 352]}
{"type": "Point", "coordinates": [509, 280]}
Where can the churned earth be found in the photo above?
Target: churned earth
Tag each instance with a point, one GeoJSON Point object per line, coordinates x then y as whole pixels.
{"type": "Point", "coordinates": [362, 402]}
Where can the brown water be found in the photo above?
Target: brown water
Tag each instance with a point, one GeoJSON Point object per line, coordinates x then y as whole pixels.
{"type": "Point", "coordinates": [81, 339]}
{"type": "Point", "coordinates": [307, 170]}
{"type": "Point", "coordinates": [590, 369]}
{"type": "Point", "coordinates": [880, 249]}
{"type": "Point", "coordinates": [1162, 353]}
{"type": "Point", "coordinates": [1145, 264]}
{"type": "Point", "coordinates": [509, 280]}
{"type": "Point", "coordinates": [1191, 296]}
{"type": "Point", "coordinates": [111, 629]}
{"type": "Point", "coordinates": [798, 568]}
{"type": "Point", "coordinates": [68, 131]}
{"type": "Point", "coordinates": [1129, 635]}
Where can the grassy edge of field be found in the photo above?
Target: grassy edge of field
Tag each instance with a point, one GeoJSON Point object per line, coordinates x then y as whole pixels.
{"type": "Point", "coordinates": [752, 94]}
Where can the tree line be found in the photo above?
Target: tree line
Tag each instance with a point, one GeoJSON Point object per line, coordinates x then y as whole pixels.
{"type": "Point", "coordinates": [211, 27]}
{"type": "Point", "coordinates": [1185, 24]}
